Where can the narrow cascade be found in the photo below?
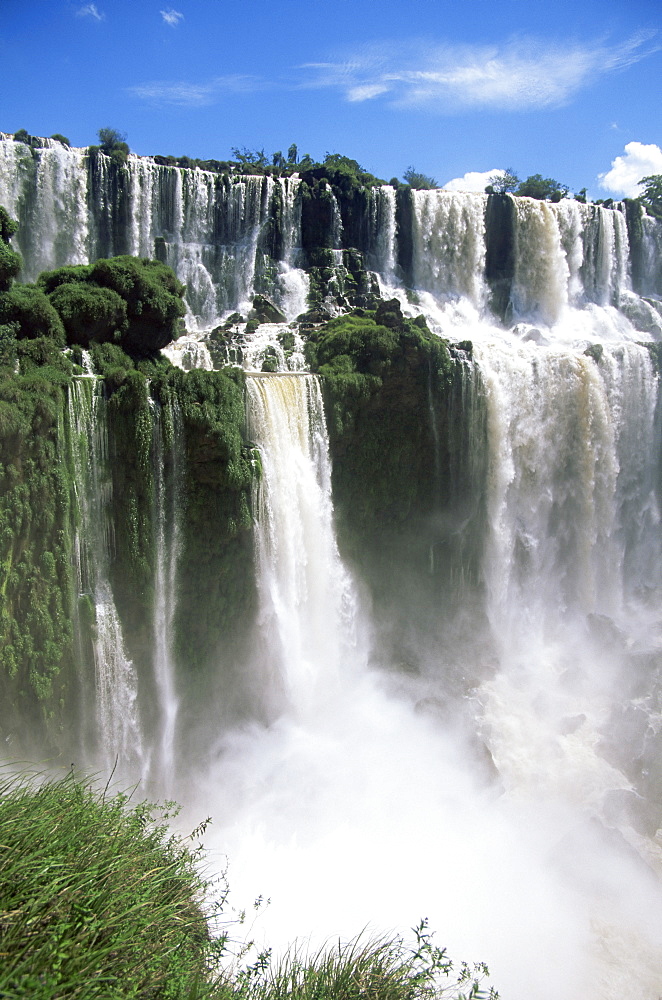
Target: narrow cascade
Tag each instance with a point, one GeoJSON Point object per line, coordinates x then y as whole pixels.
{"type": "Point", "coordinates": [606, 253]}
{"type": "Point", "coordinates": [652, 256]}
{"type": "Point", "coordinates": [307, 603]}
{"type": "Point", "coordinates": [168, 449]}
{"type": "Point", "coordinates": [540, 283]}
{"type": "Point", "coordinates": [292, 283]}
{"type": "Point", "coordinates": [571, 480]}
{"type": "Point", "coordinates": [383, 255]}
{"type": "Point", "coordinates": [118, 735]}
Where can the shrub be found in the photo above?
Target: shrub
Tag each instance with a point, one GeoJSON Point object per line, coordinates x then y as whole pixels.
{"type": "Point", "coordinates": [415, 179]}
{"type": "Point", "coordinates": [89, 313]}
{"type": "Point", "coordinates": [10, 262]}
{"type": "Point", "coordinates": [542, 188]}
{"type": "Point", "coordinates": [35, 316]}
{"type": "Point", "coordinates": [153, 297]}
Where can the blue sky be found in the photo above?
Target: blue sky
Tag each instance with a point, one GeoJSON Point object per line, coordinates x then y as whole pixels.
{"type": "Point", "coordinates": [569, 90]}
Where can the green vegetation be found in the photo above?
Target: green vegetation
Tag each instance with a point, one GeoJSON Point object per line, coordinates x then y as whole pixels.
{"type": "Point", "coordinates": [503, 183]}
{"type": "Point", "coordinates": [123, 310]}
{"type": "Point", "coordinates": [541, 188]}
{"type": "Point", "coordinates": [113, 144]}
{"type": "Point", "coordinates": [61, 138]}
{"type": "Point", "coordinates": [415, 179]}
{"type": "Point", "coordinates": [369, 970]}
{"type": "Point", "coordinates": [35, 535]}
{"type": "Point", "coordinates": [379, 370]}
{"type": "Point", "coordinates": [133, 301]}
{"type": "Point", "coordinates": [101, 902]}
{"type": "Point", "coordinates": [10, 261]}
{"type": "Point", "coordinates": [98, 900]}
{"type": "Point", "coordinates": [652, 195]}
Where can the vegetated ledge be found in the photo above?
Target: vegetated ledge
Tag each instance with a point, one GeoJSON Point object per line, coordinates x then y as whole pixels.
{"type": "Point", "coordinates": [101, 901]}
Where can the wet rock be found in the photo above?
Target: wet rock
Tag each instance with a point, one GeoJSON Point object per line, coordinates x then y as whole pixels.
{"type": "Point", "coordinates": [389, 314]}
{"type": "Point", "coordinates": [264, 311]}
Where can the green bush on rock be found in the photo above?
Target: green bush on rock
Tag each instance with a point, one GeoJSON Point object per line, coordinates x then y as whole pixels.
{"type": "Point", "coordinates": [89, 313]}
{"type": "Point", "coordinates": [133, 300]}
{"type": "Point", "coordinates": [33, 313]}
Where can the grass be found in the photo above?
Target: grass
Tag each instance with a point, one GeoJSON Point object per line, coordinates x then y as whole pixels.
{"type": "Point", "coordinates": [96, 899]}
{"type": "Point", "coordinates": [99, 900]}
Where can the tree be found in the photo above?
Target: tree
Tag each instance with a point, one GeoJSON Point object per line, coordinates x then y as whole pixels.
{"type": "Point", "coordinates": [415, 179]}
{"type": "Point", "coordinates": [61, 138]}
{"type": "Point", "coordinates": [293, 154]}
{"type": "Point", "coordinates": [250, 157]}
{"type": "Point", "coordinates": [652, 194]}
{"type": "Point", "coordinates": [113, 143]}
{"type": "Point", "coordinates": [542, 188]}
{"type": "Point", "coordinates": [502, 182]}
{"type": "Point", "coordinates": [110, 139]}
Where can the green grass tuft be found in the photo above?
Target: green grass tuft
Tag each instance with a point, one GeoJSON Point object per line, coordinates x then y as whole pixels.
{"type": "Point", "coordinates": [97, 899]}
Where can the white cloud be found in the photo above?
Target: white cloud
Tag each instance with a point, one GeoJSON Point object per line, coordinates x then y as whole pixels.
{"type": "Point", "coordinates": [518, 75]}
{"type": "Point", "coordinates": [194, 95]}
{"type": "Point", "coordinates": [171, 17]}
{"type": "Point", "coordinates": [639, 160]}
{"type": "Point", "coordinates": [90, 10]}
{"type": "Point", "coordinates": [473, 180]}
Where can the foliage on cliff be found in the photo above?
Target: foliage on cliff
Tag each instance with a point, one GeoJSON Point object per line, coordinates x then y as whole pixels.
{"type": "Point", "coordinates": [148, 410]}
{"type": "Point", "coordinates": [132, 301]}
{"type": "Point", "coordinates": [406, 430]}
{"type": "Point", "coordinates": [652, 194]}
{"type": "Point", "coordinates": [10, 261]}
{"type": "Point", "coordinates": [35, 531]}
{"type": "Point", "coordinates": [381, 373]}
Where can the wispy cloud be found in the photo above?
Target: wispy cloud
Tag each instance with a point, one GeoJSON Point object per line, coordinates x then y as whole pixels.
{"type": "Point", "coordinates": [195, 95]}
{"type": "Point", "coordinates": [171, 17]}
{"type": "Point", "coordinates": [519, 75]}
{"type": "Point", "coordinates": [639, 160]}
{"type": "Point", "coordinates": [90, 10]}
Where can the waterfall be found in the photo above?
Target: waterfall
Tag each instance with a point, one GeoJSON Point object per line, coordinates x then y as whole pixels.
{"type": "Point", "coordinates": [652, 256]}
{"type": "Point", "coordinates": [168, 446]}
{"type": "Point", "coordinates": [449, 244]}
{"type": "Point", "coordinates": [118, 735]}
{"type": "Point", "coordinates": [481, 748]}
{"type": "Point", "coordinates": [383, 256]}
{"type": "Point", "coordinates": [306, 603]}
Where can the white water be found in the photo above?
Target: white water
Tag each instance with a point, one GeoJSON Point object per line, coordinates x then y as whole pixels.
{"type": "Point", "coordinates": [363, 802]}
{"type": "Point", "coordinates": [114, 699]}
{"type": "Point", "coordinates": [168, 460]}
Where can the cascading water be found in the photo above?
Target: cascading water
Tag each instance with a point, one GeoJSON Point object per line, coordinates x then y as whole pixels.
{"type": "Point", "coordinates": [358, 764]}
{"type": "Point", "coordinates": [168, 482]}
{"type": "Point", "coordinates": [449, 244]}
{"type": "Point", "coordinates": [118, 735]}
{"type": "Point", "coordinates": [516, 802]}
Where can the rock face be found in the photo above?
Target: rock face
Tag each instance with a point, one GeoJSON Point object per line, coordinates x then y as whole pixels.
{"type": "Point", "coordinates": [265, 311]}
